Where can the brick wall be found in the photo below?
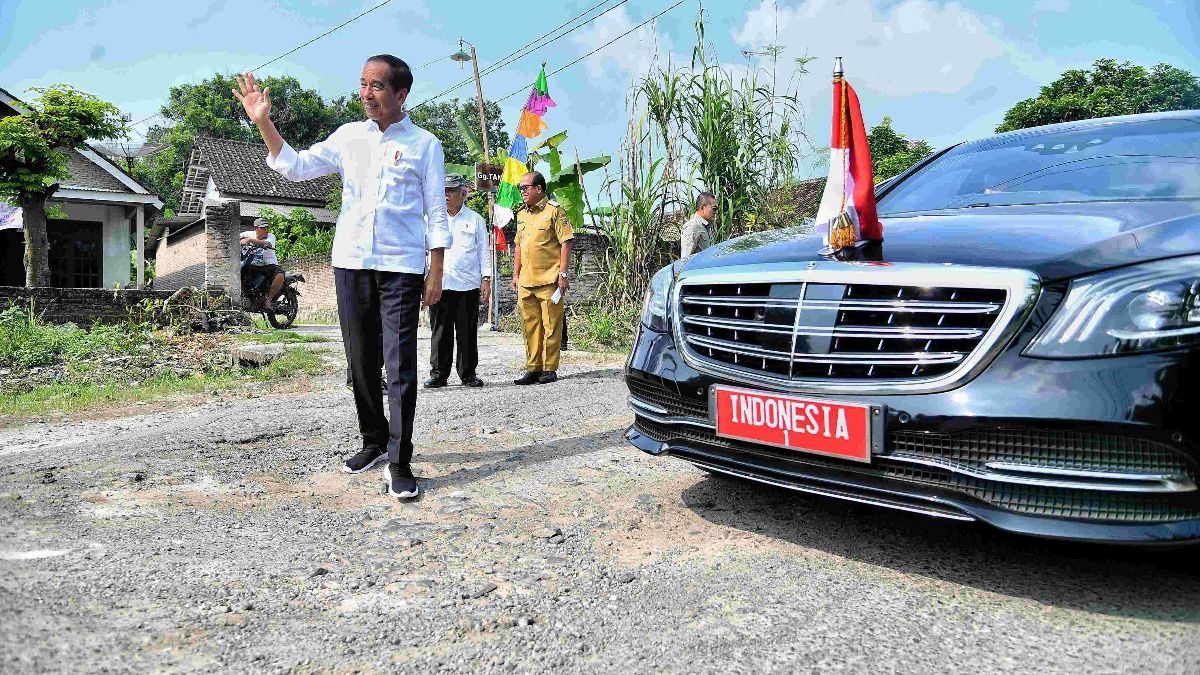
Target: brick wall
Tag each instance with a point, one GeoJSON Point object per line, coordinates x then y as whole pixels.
{"type": "Point", "coordinates": [317, 295]}
{"type": "Point", "coordinates": [179, 260]}
{"type": "Point", "coordinates": [222, 227]}
{"type": "Point", "coordinates": [81, 306]}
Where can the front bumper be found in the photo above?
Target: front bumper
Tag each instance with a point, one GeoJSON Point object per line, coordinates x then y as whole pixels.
{"type": "Point", "coordinates": [1138, 411]}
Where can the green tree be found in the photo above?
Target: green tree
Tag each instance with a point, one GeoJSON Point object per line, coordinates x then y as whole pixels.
{"type": "Point", "coordinates": [31, 164]}
{"type": "Point", "coordinates": [1108, 88]}
{"type": "Point", "coordinates": [297, 233]}
{"type": "Point", "coordinates": [442, 120]}
{"type": "Point", "coordinates": [208, 108]}
{"type": "Point", "coordinates": [891, 152]}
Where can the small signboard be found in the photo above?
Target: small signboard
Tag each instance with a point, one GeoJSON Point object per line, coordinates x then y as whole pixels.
{"type": "Point", "coordinates": [487, 176]}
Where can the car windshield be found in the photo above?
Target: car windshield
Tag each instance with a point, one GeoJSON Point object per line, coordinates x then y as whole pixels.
{"type": "Point", "coordinates": [1157, 159]}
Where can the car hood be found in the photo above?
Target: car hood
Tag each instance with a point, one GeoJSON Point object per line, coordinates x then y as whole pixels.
{"type": "Point", "coordinates": [1055, 241]}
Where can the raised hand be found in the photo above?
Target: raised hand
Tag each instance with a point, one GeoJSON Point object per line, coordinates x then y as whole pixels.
{"type": "Point", "coordinates": [257, 102]}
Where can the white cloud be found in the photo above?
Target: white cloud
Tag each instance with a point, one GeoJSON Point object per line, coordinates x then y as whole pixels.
{"type": "Point", "coordinates": [916, 46]}
{"type": "Point", "coordinates": [632, 55]}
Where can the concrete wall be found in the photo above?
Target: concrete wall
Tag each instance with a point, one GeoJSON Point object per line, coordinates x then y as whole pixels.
{"type": "Point", "coordinates": [179, 261]}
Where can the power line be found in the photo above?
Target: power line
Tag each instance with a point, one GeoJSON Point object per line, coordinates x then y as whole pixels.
{"type": "Point", "coordinates": [516, 55]}
{"type": "Point", "coordinates": [603, 46]}
{"type": "Point", "coordinates": [296, 49]}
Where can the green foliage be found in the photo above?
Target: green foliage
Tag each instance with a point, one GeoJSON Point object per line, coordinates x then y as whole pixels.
{"type": "Point", "coordinates": [633, 230]}
{"type": "Point", "coordinates": [297, 233]}
{"type": "Point", "coordinates": [60, 117]}
{"type": "Point", "coordinates": [208, 108]}
{"type": "Point", "coordinates": [565, 183]}
{"type": "Point", "coordinates": [1108, 88]}
{"type": "Point", "coordinates": [722, 130]}
{"type": "Point", "coordinates": [597, 328]}
{"type": "Point", "coordinates": [28, 342]}
{"type": "Point", "coordinates": [455, 123]}
{"type": "Point", "coordinates": [891, 152]}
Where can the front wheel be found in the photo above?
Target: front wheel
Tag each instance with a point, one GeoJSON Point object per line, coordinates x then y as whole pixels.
{"type": "Point", "coordinates": [287, 305]}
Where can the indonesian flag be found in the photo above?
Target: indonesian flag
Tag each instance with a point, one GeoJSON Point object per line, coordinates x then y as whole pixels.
{"type": "Point", "coordinates": [847, 211]}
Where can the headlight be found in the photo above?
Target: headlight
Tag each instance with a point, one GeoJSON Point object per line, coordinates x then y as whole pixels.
{"type": "Point", "coordinates": [656, 309]}
{"type": "Point", "coordinates": [1142, 308]}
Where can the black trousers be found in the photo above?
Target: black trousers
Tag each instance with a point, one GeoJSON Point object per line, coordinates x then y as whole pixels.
{"type": "Point", "coordinates": [374, 305]}
{"type": "Point", "coordinates": [456, 316]}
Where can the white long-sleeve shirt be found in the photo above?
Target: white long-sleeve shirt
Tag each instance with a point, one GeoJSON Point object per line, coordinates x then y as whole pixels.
{"type": "Point", "coordinates": [393, 183]}
{"type": "Point", "coordinates": [469, 256]}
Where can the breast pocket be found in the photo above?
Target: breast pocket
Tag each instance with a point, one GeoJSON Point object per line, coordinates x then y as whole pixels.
{"type": "Point", "coordinates": [402, 181]}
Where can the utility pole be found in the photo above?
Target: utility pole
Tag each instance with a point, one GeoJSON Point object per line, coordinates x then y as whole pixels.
{"type": "Point", "coordinates": [494, 300]}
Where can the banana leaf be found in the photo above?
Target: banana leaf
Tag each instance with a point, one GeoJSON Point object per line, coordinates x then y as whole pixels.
{"type": "Point", "coordinates": [570, 198]}
{"type": "Point", "coordinates": [474, 143]}
{"type": "Point", "coordinates": [551, 142]}
{"type": "Point", "coordinates": [465, 170]}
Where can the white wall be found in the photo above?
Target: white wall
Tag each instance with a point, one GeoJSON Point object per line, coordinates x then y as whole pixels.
{"type": "Point", "coordinates": [114, 239]}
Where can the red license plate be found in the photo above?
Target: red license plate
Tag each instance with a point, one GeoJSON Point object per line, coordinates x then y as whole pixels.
{"type": "Point", "coordinates": [809, 425]}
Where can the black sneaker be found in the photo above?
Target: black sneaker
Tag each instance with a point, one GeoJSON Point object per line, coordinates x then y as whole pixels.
{"type": "Point", "coordinates": [365, 459]}
{"type": "Point", "coordinates": [472, 382]}
{"type": "Point", "coordinates": [548, 377]}
{"type": "Point", "coordinates": [400, 481]}
{"type": "Point", "coordinates": [434, 383]}
{"type": "Point", "coordinates": [529, 378]}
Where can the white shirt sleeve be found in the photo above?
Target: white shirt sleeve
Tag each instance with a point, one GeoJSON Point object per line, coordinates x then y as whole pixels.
{"type": "Point", "coordinates": [485, 250]}
{"type": "Point", "coordinates": [437, 232]}
{"type": "Point", "coordinates": [321, 159]}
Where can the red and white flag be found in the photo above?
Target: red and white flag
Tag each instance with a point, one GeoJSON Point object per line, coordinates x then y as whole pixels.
{"type": "Point", "coordinates": [847, 211]}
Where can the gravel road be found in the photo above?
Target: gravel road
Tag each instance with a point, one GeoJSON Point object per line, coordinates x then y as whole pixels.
{"type": "Point", "coordinates": [221, 535]}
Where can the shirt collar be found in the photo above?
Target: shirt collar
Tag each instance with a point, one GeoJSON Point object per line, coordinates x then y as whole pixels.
{"type": "Point", "coordinates": [540, 205]}
{"type": "Point", "coordinates": [700, 218]}
{"type": "Point", "coordinates": [404, 125]}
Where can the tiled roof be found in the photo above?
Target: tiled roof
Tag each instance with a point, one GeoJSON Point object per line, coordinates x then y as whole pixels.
{"type": "Point", "coordinates": [807, 195]}
{"type": "Point", "coordinates": [239, 169]}
{"type": "Point", "coordinates": [87, 175]}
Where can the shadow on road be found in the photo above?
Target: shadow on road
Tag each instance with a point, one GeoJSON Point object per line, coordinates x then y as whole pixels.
{"type": "Point", "coordinates": [1161, 585]}
{"type": "Point", "coordinates": [524, 456]}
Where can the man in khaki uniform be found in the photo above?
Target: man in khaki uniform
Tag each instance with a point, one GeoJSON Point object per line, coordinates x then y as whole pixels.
{"type": "Point", "coordinates": [540, 264]}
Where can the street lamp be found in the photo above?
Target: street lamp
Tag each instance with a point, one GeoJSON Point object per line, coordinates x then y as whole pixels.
{"type": "Point", "coordinates": [461, 57]}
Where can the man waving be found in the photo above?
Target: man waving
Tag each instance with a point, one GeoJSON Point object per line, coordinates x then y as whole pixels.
{"type": "Point", "coordinates": [393, 175]}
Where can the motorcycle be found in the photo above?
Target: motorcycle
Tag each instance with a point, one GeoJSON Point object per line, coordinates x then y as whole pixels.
{"type": "Point", "coordinates": [282, 313]}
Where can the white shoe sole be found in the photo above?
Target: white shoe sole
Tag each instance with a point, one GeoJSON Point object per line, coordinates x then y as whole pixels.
{"type": "Point", "coordinates": [375, 462]}
{"type": "Point", "coordinates": [387, 476]}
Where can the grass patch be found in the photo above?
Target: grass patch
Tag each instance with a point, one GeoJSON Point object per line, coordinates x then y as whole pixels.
{"type": "Point", "coordinates": [597, 329]}
{"type": "Point", "coordinates": [28, 342]}
{"type": "Point", "coordinates": [281, 337]}
{"type": "Point", "coordinates": [69, 397]}
{"type": "Point", "coordinates": [321, 317]}
{"type": "Point", "coordinates": [592, 328]}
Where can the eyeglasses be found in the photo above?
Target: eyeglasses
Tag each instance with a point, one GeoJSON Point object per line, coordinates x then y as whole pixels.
{"type": "Point", "coordinates": [522, 188]}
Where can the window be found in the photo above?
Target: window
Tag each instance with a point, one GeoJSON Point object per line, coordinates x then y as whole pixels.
{"type": "Point", "coordinates": [1157, 159]}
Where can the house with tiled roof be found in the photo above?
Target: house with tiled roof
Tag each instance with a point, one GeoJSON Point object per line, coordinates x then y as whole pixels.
{"type": "Point", "coordinates": [106, 210]}
{"type": "Point", "coordinates": [227, 171]}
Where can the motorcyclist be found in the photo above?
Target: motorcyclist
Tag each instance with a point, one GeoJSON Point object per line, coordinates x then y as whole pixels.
{"type": "Point", "coordinates": [264, 264]}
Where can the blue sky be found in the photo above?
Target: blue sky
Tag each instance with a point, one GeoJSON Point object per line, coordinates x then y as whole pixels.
{"type": "Point", "coordinates": [943, 71]}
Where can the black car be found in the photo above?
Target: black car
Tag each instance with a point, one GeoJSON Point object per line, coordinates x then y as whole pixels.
{"type": "Point", "coordinates": [1021, 348]}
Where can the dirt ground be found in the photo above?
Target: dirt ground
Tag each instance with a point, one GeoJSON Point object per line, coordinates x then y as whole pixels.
{"type": "Point", "coordinates": [220, 535]}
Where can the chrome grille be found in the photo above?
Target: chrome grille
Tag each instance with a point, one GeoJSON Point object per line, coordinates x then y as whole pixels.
{"type": "Point", "coordinates": [885, 326]}
{"type": "Point", "coordinates": [1083, 501]}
